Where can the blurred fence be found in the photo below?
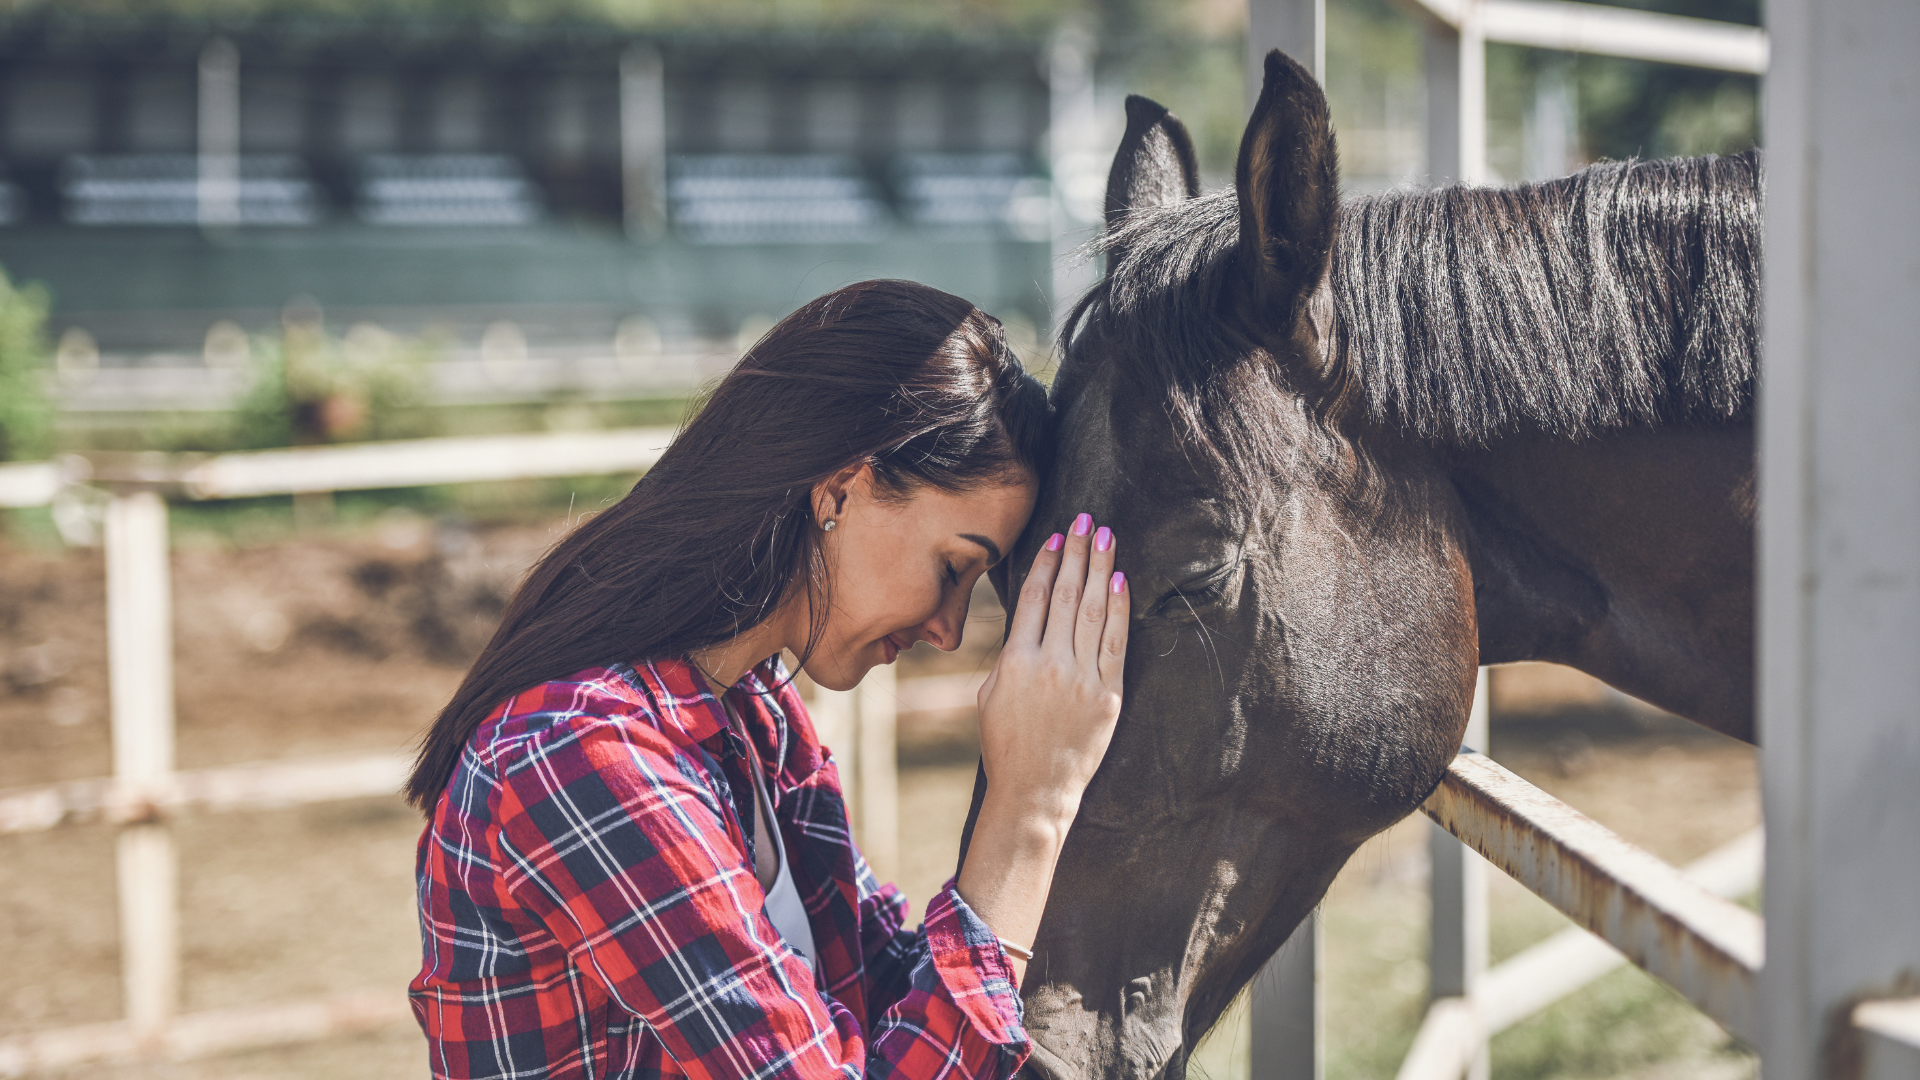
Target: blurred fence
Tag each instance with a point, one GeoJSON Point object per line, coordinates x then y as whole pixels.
{"type": "Point", "coordinates": [146, 790]}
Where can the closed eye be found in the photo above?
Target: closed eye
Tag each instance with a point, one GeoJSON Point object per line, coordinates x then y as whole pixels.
{"type": "Point", "coordinates": [1195, 592]}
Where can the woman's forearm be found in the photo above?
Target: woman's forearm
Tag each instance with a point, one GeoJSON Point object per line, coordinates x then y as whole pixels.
{"type": "Point", "coordinates": [1009, 867]}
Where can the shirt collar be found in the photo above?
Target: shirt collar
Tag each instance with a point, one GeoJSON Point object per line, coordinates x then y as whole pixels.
{"type": "Point", "coordinates": [687, 709]}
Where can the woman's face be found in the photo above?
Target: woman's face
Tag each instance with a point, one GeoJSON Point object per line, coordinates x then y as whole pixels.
{"type": "Point", "coordinates": [902, 570]}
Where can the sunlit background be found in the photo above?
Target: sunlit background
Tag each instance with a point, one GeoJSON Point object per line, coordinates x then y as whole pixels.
{"type": "Point", "coordinates": [450, 219]}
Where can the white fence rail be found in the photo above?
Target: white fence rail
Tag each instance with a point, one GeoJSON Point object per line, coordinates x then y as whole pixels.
{"type": "Point", "coordinates": [145, 791]}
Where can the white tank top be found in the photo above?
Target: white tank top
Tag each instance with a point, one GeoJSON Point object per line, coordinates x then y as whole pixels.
{"type": "Point", "coordinates": [784, 909]}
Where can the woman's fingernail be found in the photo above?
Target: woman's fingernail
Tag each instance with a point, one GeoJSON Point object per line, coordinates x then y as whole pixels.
{"type": "Point", "coordinates": [1054, 542]}
{"type": "Point", "coordinates": [1119, 582]}
{"type": "Point", "coordinates": [1081, 524]}
{"type": "Point", "coordinates": [1103, 539]}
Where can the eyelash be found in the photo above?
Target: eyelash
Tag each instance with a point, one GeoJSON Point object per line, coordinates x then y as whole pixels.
{"type": "Point", "coordinates": [953, 576]}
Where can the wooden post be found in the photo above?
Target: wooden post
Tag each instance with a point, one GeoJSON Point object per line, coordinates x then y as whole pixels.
{"type": "Point", "coordinates": [1457, 950]}
{"type": "Point", "coordinates": [643, 141]}
{"type": "Point", "coordinates": [1839, 535]}
{"type": "Point", "coordinates": [140, 684]}
{"type": "Point", "coordinates": [1284, 1011]}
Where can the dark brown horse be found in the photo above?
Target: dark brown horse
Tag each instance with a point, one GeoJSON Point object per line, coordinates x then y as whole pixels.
{"type": "Point", "coordinates": [1352, 451]}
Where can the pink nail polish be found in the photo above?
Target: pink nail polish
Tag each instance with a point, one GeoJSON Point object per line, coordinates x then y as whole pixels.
{"type": "Point", "coordinates": [1119, 583]}
{"type": "Point", "coordinates": [1054, 542]}
{"type": "Point", "coordinates": [1102, 539]}
{"type": "Point", "coordinates": [1082, 524]}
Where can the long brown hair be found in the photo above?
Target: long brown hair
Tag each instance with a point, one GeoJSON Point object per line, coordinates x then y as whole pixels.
{"type": "Point", "coordinates": [917, 383]}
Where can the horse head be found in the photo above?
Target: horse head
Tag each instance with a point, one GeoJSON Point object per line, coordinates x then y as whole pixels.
{"type": "Point", "coordinates": [1303, 651]}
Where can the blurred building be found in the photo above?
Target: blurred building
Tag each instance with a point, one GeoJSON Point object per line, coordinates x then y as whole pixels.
{"type": "Point", "coordinates": [561, 194]}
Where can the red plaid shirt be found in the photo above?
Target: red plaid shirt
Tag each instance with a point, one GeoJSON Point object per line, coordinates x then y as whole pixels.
{"type": "Point", "coordinates": [588, 906]}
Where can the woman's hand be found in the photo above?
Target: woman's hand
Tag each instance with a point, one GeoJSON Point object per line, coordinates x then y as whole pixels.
{"type": "Point", "coordinates": [1048, 708]}
{"type": "Point", "coordinates": [1047, 713]}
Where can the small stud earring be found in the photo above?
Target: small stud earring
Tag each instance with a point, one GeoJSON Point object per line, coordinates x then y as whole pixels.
{"type": "Point", "coordinates": [827, 525]}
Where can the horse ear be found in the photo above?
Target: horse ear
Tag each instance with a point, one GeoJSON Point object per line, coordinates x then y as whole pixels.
{"type": "Point", "coordinates": [1288, 177]}
{"type": "Point", "coordinates": [1156, 165]}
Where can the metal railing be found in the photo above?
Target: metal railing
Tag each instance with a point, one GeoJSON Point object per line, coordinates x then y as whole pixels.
{"type": "Point", "coordinates": [146, 791]}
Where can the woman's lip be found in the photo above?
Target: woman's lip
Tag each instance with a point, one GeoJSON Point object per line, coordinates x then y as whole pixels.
{"type": "Point", "coordinates": [894, 648]}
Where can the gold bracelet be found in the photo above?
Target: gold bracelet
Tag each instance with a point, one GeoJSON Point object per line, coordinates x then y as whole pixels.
{"type": "Point", "coordinates": [1015, 951]}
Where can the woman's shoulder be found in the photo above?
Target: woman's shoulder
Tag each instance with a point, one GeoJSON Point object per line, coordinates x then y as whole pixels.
{"type": "Point", "coordinates": [649, 702]}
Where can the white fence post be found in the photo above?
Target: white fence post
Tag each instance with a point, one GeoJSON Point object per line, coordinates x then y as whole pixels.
{"type": "Point", "coordinates": [860, 727]}
{"type": "Point", "coordinates": [140, 679]}
{"type": "Point", "coordinates": [876, 712]}
{"type": "Point", "coordinates": [1457, 950]}
{"type": "Point", "coordinates": [1839, 536]}
{"type": "Point", "coordinates": [1284, 1008]}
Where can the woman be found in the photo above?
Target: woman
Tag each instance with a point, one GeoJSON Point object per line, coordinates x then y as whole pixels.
{"type": "Point", "coordinates": [637, 861]}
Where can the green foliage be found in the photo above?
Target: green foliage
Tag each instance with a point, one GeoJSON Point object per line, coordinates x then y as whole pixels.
{"type": "Point", "coordinates": [26, 416]}
{"type": "Point", "coordinates": [309, 387]}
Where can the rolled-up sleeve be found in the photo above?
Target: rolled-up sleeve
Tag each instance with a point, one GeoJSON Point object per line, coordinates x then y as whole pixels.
{"type": "Point", "coordinates": [619, 846]}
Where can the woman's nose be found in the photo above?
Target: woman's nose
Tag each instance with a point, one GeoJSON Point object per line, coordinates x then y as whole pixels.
{"type": "Point", "coordinates": [944, 630]}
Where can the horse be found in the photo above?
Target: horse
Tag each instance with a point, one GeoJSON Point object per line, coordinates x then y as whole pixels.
{"type": "Point", "coordinates": [1353, 450]}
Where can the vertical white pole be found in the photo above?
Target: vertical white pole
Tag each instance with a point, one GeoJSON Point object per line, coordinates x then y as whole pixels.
{"type": "Point", "coordinates": [1073, 125]}
{"type": "Point", "coordinates": [1286, 1014]}
{"type": "Point", "coordinates": [1457, 953]}
{"type": "Point", "coordinates": [219, 134]}
{"type": "Point", "coordinates": [1284, 1010]}
{"type": "Point", "coordinates": [1295, 27]}
{"type": "Point", "coordinates": [1442, 63]}
{"type": "Point", "coordinates": [1472, 99]}
{"type": "Point", "coordinates": [1839, 536]}
{"type": "Point", "coordinates": [877, 704]}
{"type": "Point", "coordinates": [833, 722]}
{"type": "Point", "coordinates": [1456, 77]}
{"type": "Point", "coordinates": [140, 686]}
{"type": "Point", "coordinates": [643, 141]}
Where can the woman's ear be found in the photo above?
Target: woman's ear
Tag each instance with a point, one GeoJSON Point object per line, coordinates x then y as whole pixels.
{"type": "Point", "coordinates": [831, 496]}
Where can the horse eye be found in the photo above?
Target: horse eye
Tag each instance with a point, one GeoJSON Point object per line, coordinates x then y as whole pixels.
{"type": "Point", "coordinates": [1195, 592]}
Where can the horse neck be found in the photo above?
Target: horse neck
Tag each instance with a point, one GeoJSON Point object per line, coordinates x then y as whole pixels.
{"type": "Point", "coordinates": [1628, 556]}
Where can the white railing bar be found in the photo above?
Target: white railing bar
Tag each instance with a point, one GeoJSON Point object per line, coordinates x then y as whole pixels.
{"type": "Point", "coordinates": [421, 462]}
{"type": "Point", "coordinates": [32, 483]}
{"type": "Point", "coordinates": [262, 785]}
{"type": "Point", "coordinates": [1542, 974]}
{"type": "Point", "coordinates": [267, 785]}
{"type": "Point", "coordinates": [1706, 947]}
{"type": "Point", "coordinates": [1608, 31]}
{"type": "Point", "coordinates": [199, 1035]}
{"type": "Point", "coordinates": [1889, 1033]}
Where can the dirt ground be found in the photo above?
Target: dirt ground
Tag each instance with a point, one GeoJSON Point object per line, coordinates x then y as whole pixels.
{"type": "Point", "coordinates": [348, 641]}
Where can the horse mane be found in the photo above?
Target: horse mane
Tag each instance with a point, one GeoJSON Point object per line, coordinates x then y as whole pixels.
{"type": "Point", "coordinates": [1626, 294]}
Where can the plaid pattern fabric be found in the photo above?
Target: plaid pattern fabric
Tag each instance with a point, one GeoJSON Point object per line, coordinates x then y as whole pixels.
{"type": "Point", "coordinates": [588, 906]}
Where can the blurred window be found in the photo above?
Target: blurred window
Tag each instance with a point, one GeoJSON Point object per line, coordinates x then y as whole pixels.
{"type": "Point", "coordinates": [164, 189]}
{"type": "Point", "coordinates": [961, 189]}
{"type": "Point", "coordinates": [446, 189]}
{"type": "Point", "coordinates": [773, 198]}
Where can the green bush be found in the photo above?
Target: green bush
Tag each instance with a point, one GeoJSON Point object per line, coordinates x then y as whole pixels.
{"type": "Point", "coordinates": [310, 388]}
{"type": "Point", "coordinates": [26, 415]}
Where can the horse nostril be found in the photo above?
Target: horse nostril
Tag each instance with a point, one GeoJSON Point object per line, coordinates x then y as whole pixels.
{"type": "Point", "coordinates": [1137, 993]}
